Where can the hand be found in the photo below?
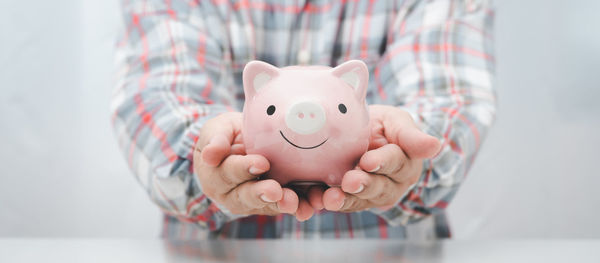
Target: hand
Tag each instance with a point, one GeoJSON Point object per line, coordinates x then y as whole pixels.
{"type": "Point", "coordinates": [229, 177]}
{"type": "Point", "coordinates": [385, 172]}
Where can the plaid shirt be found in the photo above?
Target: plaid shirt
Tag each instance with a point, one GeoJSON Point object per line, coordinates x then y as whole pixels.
{"type": "Point", "coordinates": [181, 61]}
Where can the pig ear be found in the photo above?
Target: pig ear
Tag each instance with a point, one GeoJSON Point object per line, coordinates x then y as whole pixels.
{"type": "Point", "coordinates": [356, 74]}
{"type": "Point", "coordinates": [256, 76]}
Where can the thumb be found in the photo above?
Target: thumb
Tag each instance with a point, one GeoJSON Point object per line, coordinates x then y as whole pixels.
{"type": "Point", "coordinates": [216, 150]}
{"type": "Point", "coordinates": [401, 129]}
{"type": "Point", "coordinates": [417, 144]}
{"type": "Point", "coordinates": [217, 136]}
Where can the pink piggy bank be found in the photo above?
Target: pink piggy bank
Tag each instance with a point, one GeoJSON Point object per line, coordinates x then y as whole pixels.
{"type": "Point", "coordinates": [310, 122]}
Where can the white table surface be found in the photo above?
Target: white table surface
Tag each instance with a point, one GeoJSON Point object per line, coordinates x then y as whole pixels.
{"type": "Point", "coordinates": [127, 250]}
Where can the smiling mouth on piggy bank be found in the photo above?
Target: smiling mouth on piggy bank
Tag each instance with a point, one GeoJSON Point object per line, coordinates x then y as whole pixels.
{"type": "Point", "coordinates": [300, 147]}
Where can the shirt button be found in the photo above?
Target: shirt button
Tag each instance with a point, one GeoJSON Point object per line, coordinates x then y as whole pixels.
{"type": "Point", "coordinates": [303, 57]}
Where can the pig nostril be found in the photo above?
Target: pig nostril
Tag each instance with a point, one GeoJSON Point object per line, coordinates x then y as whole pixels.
{"type": "Point", "coordinates": [305, 117]}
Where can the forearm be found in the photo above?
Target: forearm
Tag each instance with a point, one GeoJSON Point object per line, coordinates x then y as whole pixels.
{"type": "Point", "coordinates": [441, 72]}
{"type": "Point", "coordinates": [164, 94]}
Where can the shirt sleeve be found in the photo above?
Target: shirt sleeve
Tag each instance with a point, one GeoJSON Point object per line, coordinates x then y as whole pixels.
{"type": "Point", "coordinates": [171, 78]}
{"type": "Point", "coordinates": [438, 65]}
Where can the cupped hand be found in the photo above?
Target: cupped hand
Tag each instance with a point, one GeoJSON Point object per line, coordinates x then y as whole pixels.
{"type": "Point", "coordinates": [385, 172]}
{"type": "Point", "coordinates": [229, 176]}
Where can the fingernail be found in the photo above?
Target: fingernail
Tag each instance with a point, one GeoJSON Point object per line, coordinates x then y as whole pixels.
{"type": "Point", "coordinates": [266, 199]}
{"type": "Point", "coordinates": [255, 171]}
{"type": "Point", "coordinates": [360, 188]}
{"type": "Point", "coordinates": [376, 169]}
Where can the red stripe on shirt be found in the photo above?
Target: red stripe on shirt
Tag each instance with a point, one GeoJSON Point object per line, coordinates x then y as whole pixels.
{"type": "Point", "coordinates": [349, 41]}
{"type": "Point", "coordinates": [350, 230]}
{"type": "Point", "coordinates": [261, 220]}
{"type": "Point", "coordinates": [454, 112]}
{"type": "Point", "coordinates": [194, 202]}
{"type": "Point", "coordinates": [366, 26]}
{"type": "Point", "coordinates": [173, 58]}
{"type": "Point", "coordinates": [382, 227]}
{"type": "Point", "coordinates": [379, 85]}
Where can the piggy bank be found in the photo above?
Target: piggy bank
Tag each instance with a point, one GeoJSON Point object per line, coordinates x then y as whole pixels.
{"type": "Point", "coordinates": [310, 122]}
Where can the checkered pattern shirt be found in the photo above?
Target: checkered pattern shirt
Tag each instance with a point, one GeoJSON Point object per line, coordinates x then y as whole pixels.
{"type": "Point", "coordinates": [180, 63]}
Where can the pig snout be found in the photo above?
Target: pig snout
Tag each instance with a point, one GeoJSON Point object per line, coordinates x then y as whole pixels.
{"type": "Point", "coordinates": [305, 117]}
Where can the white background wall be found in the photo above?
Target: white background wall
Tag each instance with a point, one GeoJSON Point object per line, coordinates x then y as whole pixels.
{"type": "Point", "coordinates": [61, 173]}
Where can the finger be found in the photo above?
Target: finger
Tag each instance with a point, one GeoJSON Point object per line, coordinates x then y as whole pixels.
{"type": "Point", "coordinates": [256, 194]}
{"type": "Point", "coordinates": [315, 197]}
{"type": "Point", "coordinates": [399, 128]}
{"type": "Point", "coordinates": [377, 137]}
{"type": "Point", "coordinates": [226, 126]}
{"type": "Point", "coordinates": [335, 199]}
{"type": "Point", "coordinates": [216, 150]}
{"type": "Point", "coordinates": [241, 168]}
{"type": "Point", "coordinates": [289, 202]}
{"type": "Point", "coordinates": [238, 145]}
{"type": "Point", "coordinates": [388, 159]}
{"type": "Point", "coordinates": [417, 144]}
{"type": "Point", "coordinates": [378, 189]}
{"type": "Point", "coordinates": [305, 211]}
{"type": "Point", "coordinates": [402, 130]}
{"type": "Point", "coordinates": [238, 149]}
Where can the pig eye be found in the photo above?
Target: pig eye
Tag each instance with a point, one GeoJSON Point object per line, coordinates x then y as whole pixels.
{"type": "Point", "coordinates": [342, 108]}
{"type": "Point", "coordinates": [271, 110]}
